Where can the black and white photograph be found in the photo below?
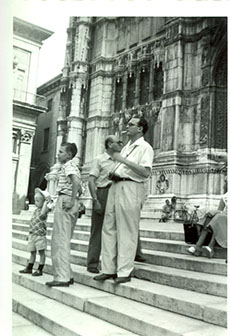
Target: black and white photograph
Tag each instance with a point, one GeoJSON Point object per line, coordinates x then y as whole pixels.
{"type": "Point", "coordinates": [119, 171]}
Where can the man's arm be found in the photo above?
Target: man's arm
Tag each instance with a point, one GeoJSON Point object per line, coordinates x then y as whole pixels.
{"type": "Point", "coordinates": [93, 193]}
{"type": "Point", "coordinates": [92, 186]}
{"type": "Point", "coordinates": [138, 169]}
{"type": "Point", "coordinates": [44, 210]}
{"type": "Point", "coordinates": [75, 187]}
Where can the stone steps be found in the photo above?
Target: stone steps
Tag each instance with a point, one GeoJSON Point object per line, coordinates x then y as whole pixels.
{"type": "Point", "coordinates": [82, 231]}
{"type": "Point", "coordinates": [164, 258]}
{"type": "Point", "coordinates": [60, 319]}
{"type": "Point", "coordinates": [22, 326]}
{"type": "Point", "coordinates": [150, 244]}
{"type": "Point", "coordinates": [113, 303]}
{"type": "Point", "coordinates": [179, 294]}
{"type": "Point", "coordinates": [188, 280]}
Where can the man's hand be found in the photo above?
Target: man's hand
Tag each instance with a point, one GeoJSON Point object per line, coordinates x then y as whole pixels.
{"type": "Point", "coordinates": [97, 207]}
{"type": "Point", "coordinates": [66, 205]}
{"type": "Point", "coordinates": [118, 157]}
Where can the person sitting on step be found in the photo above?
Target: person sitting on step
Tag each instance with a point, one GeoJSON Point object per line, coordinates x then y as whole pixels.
{"type": "Point", "coordinates": [216, 223]}
{"type": "Point", "coordinates": [37, 232]}
{"type": "Point", "coordinates": [166, 212]}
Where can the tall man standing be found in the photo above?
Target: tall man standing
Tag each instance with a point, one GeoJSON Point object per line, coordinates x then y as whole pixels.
{"type": "Point", "coordinates": [99, 185]}
{"type": "Point", "coordinates": [124, 203]}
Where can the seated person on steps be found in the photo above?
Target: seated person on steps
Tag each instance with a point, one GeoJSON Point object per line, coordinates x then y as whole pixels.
{"type": "Point", "coordinates": [216, 223]}
{"type": "Point", "coordinates": [166, 212]}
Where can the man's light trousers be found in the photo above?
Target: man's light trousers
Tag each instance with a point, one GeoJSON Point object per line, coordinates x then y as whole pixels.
{"type": "Point", "coordinates": [63, 228]}
{"type": "Point", "coordinates": [120, 227]}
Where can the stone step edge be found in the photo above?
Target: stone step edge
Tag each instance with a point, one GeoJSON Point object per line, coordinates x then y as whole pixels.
{"type": "Point", "coordinates": [200, 263]}
{"type": "Point", "coordinates": [190, 274]}
{"type": "Point", "coordinates": [87, 221]}
{"type": "Point", "coordinates": [139, 307]}
{"type": "Point", "coordinates": [159, 276]}
{"type": "Point", "coordinates": [23, 225]}
{"type": "Point", "coordinates": [21, 323]}
{"type": "Point", "coordinates": [54, 324]}
{"type": "Point", "coordinates": [178, 243]}
{"type": "Point", "coordinates": [141, 291]}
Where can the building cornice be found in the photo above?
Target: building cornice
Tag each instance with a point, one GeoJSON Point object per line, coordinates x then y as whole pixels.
{"type": "Point", "coordinates": [30, 31]}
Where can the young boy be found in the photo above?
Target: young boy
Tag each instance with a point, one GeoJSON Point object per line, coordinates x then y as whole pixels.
{"type": "Point", "coordinates": [65, 215]}
{"type": "Point", "coordinates": [37, 232]}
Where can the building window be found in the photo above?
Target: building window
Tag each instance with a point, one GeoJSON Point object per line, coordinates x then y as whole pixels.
{"type": "Point", "coordinates": [144, 86]}
{"type": "Point", "coordinates": [49, 104]}
{"type": "Point", "coordinates": [118, 95]}
{"type": "Point", "coordinates": [130, 91]}
{"type": "Point", "coordinates": [158, 82]}
{"type": "Point", "coordinates": [46, 139]}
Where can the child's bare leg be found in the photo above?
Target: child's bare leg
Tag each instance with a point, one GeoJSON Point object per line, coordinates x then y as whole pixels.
{"type": "Point", "coordinates": [32, 257]}
{"type": "Point", "coordinates": [30, 265]}
{"type": "Point", "coordinates": [41, 263]}
{"type": "Point", "coordinates": [42, 257]}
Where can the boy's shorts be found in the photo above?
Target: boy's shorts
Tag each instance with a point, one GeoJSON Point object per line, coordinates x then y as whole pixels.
{"type": "Point", "coordinates": [36, 243]}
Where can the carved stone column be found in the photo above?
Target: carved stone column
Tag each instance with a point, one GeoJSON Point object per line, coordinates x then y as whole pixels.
{"type": "Point", "coordinates": [23, 169]}
{"type": "Point", "coordinates": [125, 79]}
{"type": "Point", "coordinates": [52, 179]}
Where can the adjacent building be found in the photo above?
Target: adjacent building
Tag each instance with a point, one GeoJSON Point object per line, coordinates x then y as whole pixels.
{"type": "Point", "coordinates": [27, 41]}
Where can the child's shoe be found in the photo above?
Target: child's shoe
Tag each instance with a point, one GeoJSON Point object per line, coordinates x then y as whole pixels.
{"type": "Point", "coordinates": [26, 271]}
{"type": "Point", "coordinates": [71, 281]}
{"type": "Point", "coordinates": [37, 273]}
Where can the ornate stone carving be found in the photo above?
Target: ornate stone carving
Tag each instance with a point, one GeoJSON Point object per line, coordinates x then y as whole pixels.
{"type": "Point", "coordinates": [204, 120]}
{"type": "Point", "coordinates": [205, 79]}
{"type": "Point", "coordinates": [26, 137]}
{"type": "Point", "coordinates": [172, 31]}
{"type": "Point", "coordinates": [162, 184]}
{"type": "Point", "coordinates": [188, 171]}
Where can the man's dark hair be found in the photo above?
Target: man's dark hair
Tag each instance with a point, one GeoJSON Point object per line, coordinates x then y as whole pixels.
{"type": "Point", "coordinates": [108, 139]}
{"type": "Point", "coordinates": [143, 123]}
{"type": "Point", "coordinates": [70, 148]}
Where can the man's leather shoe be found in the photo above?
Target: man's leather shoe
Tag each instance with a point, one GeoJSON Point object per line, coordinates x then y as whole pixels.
{"type": "Point", "coordinates": [71, 281]}
{"type": "Point", "coordinates": [140, 259]}
{"type": "Point", "coordinates": [103, 277]}
{"type": "Point", "coordinates": [57, 284]}
{"type": "Point", "coordinates": [93, 270]}
{"type": "Point", "coordinates": [119, 280]}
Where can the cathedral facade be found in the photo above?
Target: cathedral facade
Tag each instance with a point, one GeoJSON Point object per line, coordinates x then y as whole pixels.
{"type": "Point", "coordinates": [171, 70]}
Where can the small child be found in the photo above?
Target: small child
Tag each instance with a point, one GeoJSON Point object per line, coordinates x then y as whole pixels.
{"type": "Point", "coordinates": [65, 215]}
{"type": "Point", "coordinates": [37, 232]}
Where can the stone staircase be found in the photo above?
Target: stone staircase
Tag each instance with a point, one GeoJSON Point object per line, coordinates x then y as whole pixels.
{"type": "Point", "coordinates": [172, 294]}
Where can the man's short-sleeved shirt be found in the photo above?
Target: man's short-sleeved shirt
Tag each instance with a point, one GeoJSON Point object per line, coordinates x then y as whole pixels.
{"type": "Point", "coordinates": [64, 185]}
{"type": "Point", "coordinates": [38, 223]}
{"type": "Point", "coordinates": [101, 167]}
{"type": "Point", "coordinates": [141, 153]}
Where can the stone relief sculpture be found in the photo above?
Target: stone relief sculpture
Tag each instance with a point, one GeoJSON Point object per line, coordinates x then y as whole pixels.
{"type": "Point", "coordinates": [162, 184]}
